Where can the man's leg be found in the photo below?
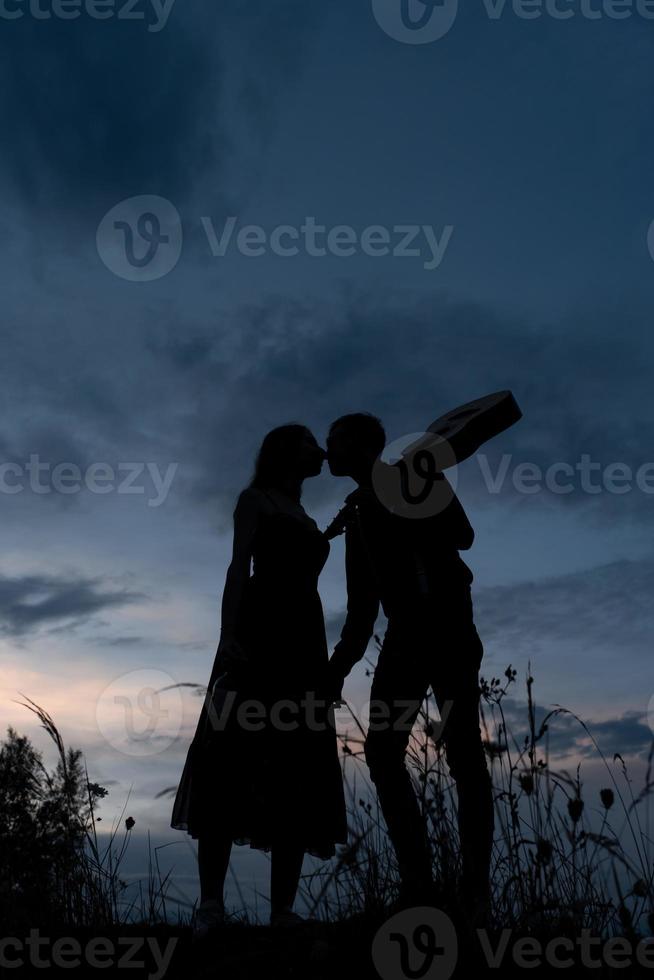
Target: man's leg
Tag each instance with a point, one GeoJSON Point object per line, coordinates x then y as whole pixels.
{"type": "Point", "coordinates": [455, 682]}
{"type": "Point", "coordinates": [399, 686]}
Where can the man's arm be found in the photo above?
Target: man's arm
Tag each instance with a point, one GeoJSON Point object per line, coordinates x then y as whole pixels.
{"type": "Point", "coordinates": [362, 609]}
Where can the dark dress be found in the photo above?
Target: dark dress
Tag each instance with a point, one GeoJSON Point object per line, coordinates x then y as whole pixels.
{"type": "Point", "coordinates": [282, 781]}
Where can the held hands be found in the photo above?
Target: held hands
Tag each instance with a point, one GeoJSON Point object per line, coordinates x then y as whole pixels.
{"type": "Point", "coordinates": [232, 657]}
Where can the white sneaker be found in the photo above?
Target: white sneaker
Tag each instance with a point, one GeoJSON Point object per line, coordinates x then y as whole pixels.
{"type": "Point", "coordinates": [208, 916]}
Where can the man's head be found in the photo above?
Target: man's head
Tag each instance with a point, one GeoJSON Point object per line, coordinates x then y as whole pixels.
{"type": "Point", "coordinates": [353, 444]}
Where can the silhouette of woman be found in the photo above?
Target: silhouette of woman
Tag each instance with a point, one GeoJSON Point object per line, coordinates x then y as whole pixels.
{"type": "Point", "coordinates": [267, 774]}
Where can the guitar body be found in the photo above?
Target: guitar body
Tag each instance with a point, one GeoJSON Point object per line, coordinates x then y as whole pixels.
{"type": "Point", "coordinates": [458, 434]}
{"type": "Point", "coordinates": [414, 486]}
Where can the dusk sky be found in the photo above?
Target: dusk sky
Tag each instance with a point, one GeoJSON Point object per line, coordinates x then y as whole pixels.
{"type": "Point", "coordinates": [516, 155]}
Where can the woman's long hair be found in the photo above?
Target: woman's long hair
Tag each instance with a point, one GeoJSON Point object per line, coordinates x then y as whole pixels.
{"type": "Point", "coordinates": [277, 457]}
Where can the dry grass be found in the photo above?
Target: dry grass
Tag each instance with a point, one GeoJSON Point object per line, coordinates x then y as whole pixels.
{"type": "Point", "coordinates": [561, 862]}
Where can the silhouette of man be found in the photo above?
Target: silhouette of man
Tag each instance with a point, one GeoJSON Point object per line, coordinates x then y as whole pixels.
{"type": "Point", "coordinates": [412, 566]}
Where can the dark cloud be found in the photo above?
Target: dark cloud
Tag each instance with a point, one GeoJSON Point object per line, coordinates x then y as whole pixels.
{"type": "Point", "coordinates": [101, 110]}
{"type": "Point", "coordinates": [204, 396]}
{"type": "Point", "coordinates": [183, 354]}
{"type": "Point", "coordinates": [628, 734]}
{"type": "Point", "coordinates": [32, 601]}
{"type": "Point", "coordinates": [408, 363]}
{"type": "Point", "coordinates": [609, 606]}
{"type": "Point", "coordinates": [121, 641]}
{"type": "Point", "coordinates": [104, 107]}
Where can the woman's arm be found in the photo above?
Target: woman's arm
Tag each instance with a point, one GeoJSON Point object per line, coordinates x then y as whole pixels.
{"type": "Point", "coordinates": [246, 515]}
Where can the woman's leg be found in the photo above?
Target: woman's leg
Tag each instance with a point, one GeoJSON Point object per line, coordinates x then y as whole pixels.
{"type": "Point", "coordinates": [285, 871]}
{"type": "Point", "coordinates": [213, 860]}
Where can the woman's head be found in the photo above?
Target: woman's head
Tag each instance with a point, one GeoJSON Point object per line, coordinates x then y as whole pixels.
{"type": "Point", "coordinates": [288, 454]}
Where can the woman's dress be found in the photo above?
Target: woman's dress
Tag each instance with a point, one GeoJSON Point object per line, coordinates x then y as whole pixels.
{"type": "Point", "coordinates": [269, 771]}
